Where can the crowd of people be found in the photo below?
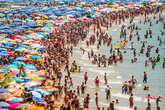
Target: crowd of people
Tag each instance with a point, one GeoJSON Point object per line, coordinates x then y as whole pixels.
{"type": "Point", "coordinates": [60, 47]}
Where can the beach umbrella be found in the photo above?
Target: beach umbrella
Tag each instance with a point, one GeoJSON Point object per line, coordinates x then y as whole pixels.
{"type": "Point", "coordinates": [35, 107]}
{"type": "Point", "coordinates": [26, 105]}
{"type": "Point", "coordinates": [20, 58]}
{"type": "Point", "coordinates": [36, 45]}
{"type": "Point", "coordinates": [17, 100]}
{"type": "Point", "coordinates": [14, 105]}
{"type": "Point", "coordinates": [7, 46]}
{"type": "Point", "coordinates": [20, 49]}
{"type": "Point", "coordinates": [32, 83]}
{"type": "Point", "coordinates": [39, 100]}
{"type": "Point", "coordinates": [4, 104]}
{"type": "Point", "coordinates": [31, 75]}
{"type": "Point", "coordinates": [43, 92]}
{"type": "Point", "coordinates": [4, 53]}
{"type": "Point", "coordinates": [49, 88]}
{"type": "Point", "coordinates": [39, 78]}
{"type": "Point", "coordinates": [32, 24]}
{"type": "Point", "coordinates": [2, 15]}
{"type": "Point", "coordinates": [12, 66]}
{"type": "Point", "coordinates": [3, 49]}
{"type": "Point", "coordinates": [41, 72]}
{"type": "Point", "coordinates": [30, 66]}
{"type": "Point", "coordinates": [36, 57]}
{"type": "Point", "coordinates": [4, 71]}
{"type": "Point", "coordinates": [18, 79]}
{"type": "Point", "coordinates": [36, 94]}
{"type": "Point", "coordinates": [8, 31]}
{"type": "Point", "coordinates": [52, 17]}
{"type": "Point", "coordinates": [19, 63]}
{"type": "Point", "coordinates": [2, 90]}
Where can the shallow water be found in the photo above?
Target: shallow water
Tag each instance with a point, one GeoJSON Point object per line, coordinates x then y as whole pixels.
{"type": "Point", "coordinates": [124, 71]}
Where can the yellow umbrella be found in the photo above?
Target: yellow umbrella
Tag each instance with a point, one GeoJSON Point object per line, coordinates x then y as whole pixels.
{"type": "Point", "coordinates": [30, 75]}
{"type": "Point", "coordinates": [41, 72]}
{"type": "Point", "coordinates": [35, 53]}
{"type": "Point", "coordinates": [38, 78]}
{"type": "Point", "coordinates": [40, 60]}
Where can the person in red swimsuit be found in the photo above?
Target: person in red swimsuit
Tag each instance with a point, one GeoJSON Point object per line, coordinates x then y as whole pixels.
{"type": "Point", "coordinates": [131, 101]}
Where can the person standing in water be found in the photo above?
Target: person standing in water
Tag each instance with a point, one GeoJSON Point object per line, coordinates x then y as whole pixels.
{"type": "Point", "coordinates": [85, 77]}
{"type": "Point", "coordinates": [131, 101]}
{"type": "Point", "coordinates": [105, 79]}
{"type": "Point", "coordinates": [97, 100]}
{"type": "Point", "coordinates": [164, 63]}
{"type": "Point", "coordinates": [145, 77]}
{"type": "Point", "coordinates": [97, 81]}
{"type": "Point", "coordinates": [108, 92]}
{"type": "Point", "coordinates": [158, 100]}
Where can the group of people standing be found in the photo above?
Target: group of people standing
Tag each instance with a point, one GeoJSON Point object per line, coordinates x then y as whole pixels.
{"type": "Point", "coordinates": [60, 47]}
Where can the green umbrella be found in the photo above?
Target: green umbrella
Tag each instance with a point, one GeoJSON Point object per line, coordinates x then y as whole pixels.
{"type": "Point", "coordinates": [20, 49]}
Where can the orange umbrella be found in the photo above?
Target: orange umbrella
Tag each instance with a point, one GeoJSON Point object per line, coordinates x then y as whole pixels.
{"type": "Point", "coordinates": [13, 73]}
{"type": "Point", "coordinates": [35, 107]}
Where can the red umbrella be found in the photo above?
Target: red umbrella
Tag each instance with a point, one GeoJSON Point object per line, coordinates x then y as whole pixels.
{"type": "Point", "coordinates": [35, 15]}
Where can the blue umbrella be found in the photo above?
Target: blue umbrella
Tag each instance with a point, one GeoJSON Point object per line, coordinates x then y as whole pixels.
{"type": "Point", "coordinates": [19, 63]}
{"type": "Point", "coordinates": [36, 57]}
{"type": "Point", "coordinates": [17, 100]}
{"type": "Point", "coordinates": [7, 46]}
{"type": "Point", "coordinates": [20, 59]}
{"type": "Point", "coordinates": [8, 31]}
{"type": "Point", "coordinates": [36, 94]}
{"type": "Point", "coordinates": [4, 71]}
{"type": "Point", "coordinates": [4, 104]}
{"type": "Point", "coordinates": [30, 66]}
{"type": "Point", "coordinates": [3, 54]}
{"type": "Point", "coordinates": [39, 100]}
{"type": "Point", "coordinates": [3, 49]}
{"type": "Point", "coordinates": [4, 27]}
{"type": "Point", "coordinates": [18, 79]}
{"type": "Point", "coordinates": [42, 91]}
{"type": "Point", "coordinates": [2, 90]}
{"type": "Point", "coordinates": [12, 66]}
{"type": "Point", "coordinates": [32, 24]}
